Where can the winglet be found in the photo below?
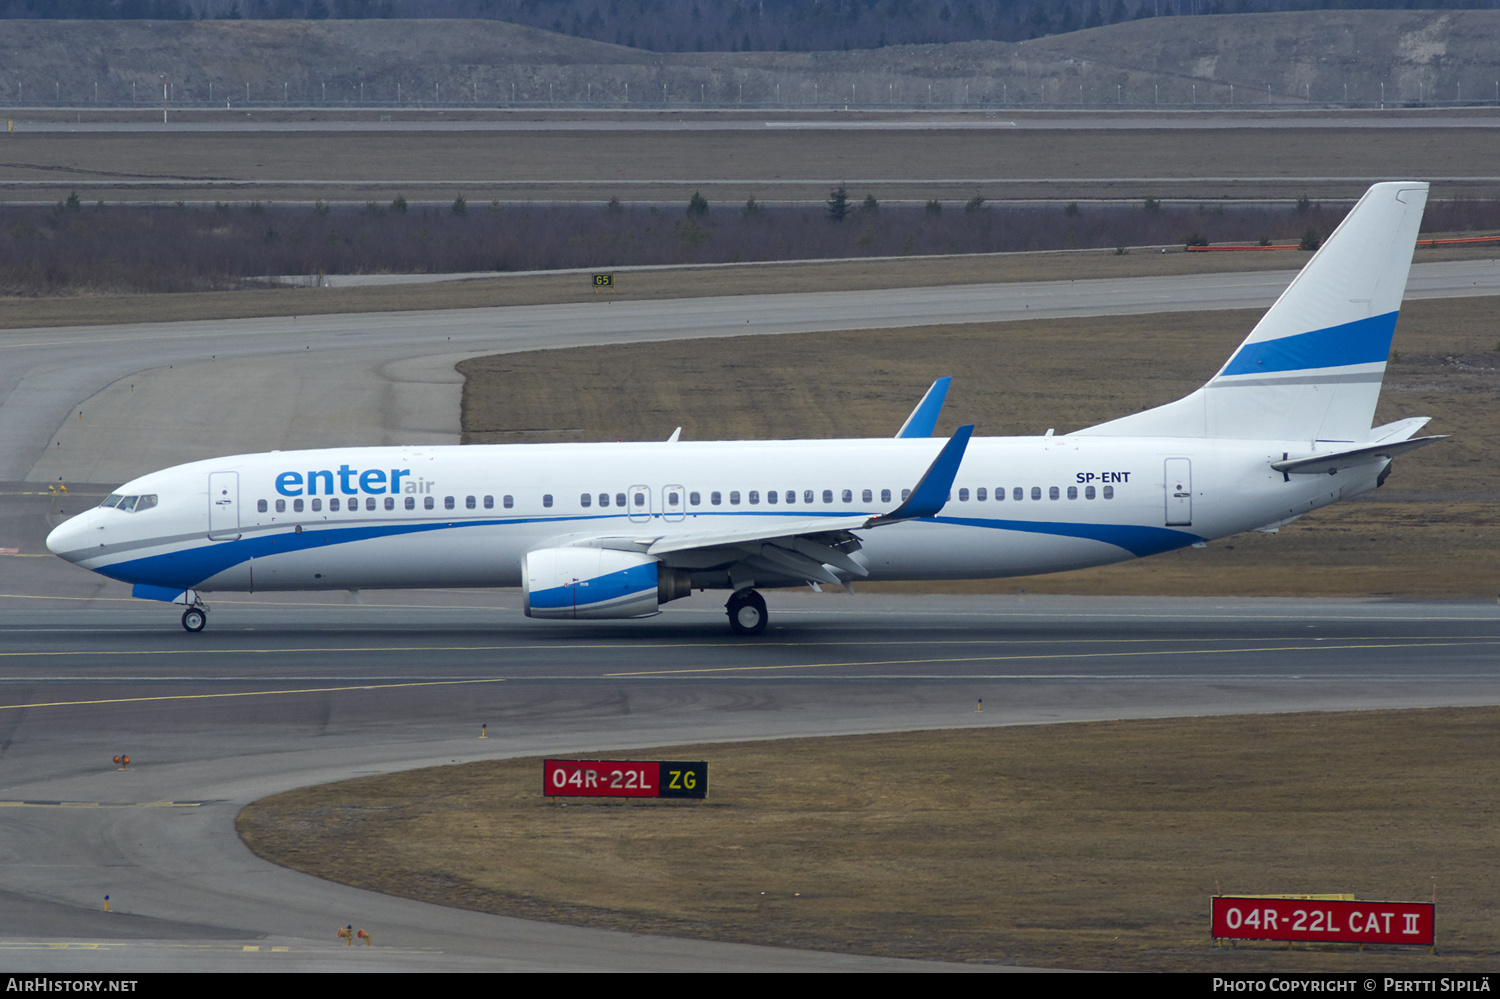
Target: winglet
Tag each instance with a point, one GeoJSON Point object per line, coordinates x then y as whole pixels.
{"type": "Point", "coordinates": [931, 493]}
{"type": "Point", "coordinates": [923, 419]}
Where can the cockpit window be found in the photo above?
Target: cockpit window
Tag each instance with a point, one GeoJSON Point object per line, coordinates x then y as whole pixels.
{"type": "Point", "coordinates": [130, 504]}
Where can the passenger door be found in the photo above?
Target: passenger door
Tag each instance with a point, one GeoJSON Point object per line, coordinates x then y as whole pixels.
{"type": "Point", "coordinates": [223, 506]}
{"type": "Point", "coordinates": [1179, 488]}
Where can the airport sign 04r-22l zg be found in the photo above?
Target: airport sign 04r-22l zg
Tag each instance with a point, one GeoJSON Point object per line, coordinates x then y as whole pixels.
{"type": "Point", "coordinates": [624, 779]}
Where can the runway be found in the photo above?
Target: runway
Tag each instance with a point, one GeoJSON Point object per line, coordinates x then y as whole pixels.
{"type": "Point", "coordinates": [731, 119]}
{"type": "Point", "coordinates": [282, 694]}
{"type": "Point", "coordinates": [285, 691]}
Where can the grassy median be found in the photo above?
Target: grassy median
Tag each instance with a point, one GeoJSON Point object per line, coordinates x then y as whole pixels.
{"type": "Point", "coordinates": [1080, 846]}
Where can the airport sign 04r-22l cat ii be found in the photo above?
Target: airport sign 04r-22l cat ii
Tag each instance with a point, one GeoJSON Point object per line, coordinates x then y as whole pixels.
{"type": "Point", "coordinates": [617, 530]}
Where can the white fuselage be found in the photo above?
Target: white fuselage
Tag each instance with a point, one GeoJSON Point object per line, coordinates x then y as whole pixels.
{"type": "Point", "coordinates": [466, 516]}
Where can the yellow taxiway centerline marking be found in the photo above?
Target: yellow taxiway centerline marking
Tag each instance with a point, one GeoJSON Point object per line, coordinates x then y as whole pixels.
{"type": "Point", "coordinates": [249, 693]}
{"type": "Point", "coordinates": [1313, 642]}
{"type": "Point", "coordinates": [100, 804]}
{"type": "Point", "coordinates": [1065, 655]}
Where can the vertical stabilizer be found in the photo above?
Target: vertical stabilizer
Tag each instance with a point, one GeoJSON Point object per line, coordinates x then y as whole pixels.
{"type": "Point", "coordinates": [1311, 369]}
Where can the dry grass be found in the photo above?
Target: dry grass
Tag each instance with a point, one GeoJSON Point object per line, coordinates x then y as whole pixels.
{"type": "Point", "coordinates": [473, 160]}
{"type": "Point", "coordinates": [1084, 846]}
{"type": "Point", "coordinates": [731, 166]}
{"type": "Point", "coordinates": [1431, 532]}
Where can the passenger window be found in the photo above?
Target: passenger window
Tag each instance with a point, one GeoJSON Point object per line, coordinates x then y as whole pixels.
{"type": "Point", "coordinates": [261, 506]}
{"type": "Point", "coordinates": [489, 502]}
{"type": "Point", "coordinates": [754, 497]}
{"type": "Point", "coordinates": [447, 502]}
{"type": "Point", "coordinates": [333, 505]}
{"type": "Point", "coordinates": [905, 495]}
{"type": "Point", "coordinates": [547, 500]}
{"type": "Point", "coordinates": [1036, 492]}
{"type": "Point", "coordinates": [508, 502]}
{"type": "Point", "coordinates": [963, 496]}
{"type": "Point", "coordinates": [828, 496]}
{"type": "Point", "coordinates": [640, 500]}
{"type": "Point", "coordinates": [427, 503]}
{"type": "Point", "coordinates": [390, 502]}
{"type": "Point", "coordinates": [585, 500]}
{"type": "Point", "coordinates": [807, 495]}
{"type": "Point", "coordinates": [470, 503]}
{"type": "Point", "coordinates": [1017, 494]}
{"type": "Point", "coordinates": [411, 502]}
{"type": "Point", "coordinates": [979, 494]}
{"type": "Point", "coordinates": [673, 498]}
{"type": "Point", "coordinates": [734, 498]}
{"type": "Point", "coordinates": [867, 497]}
{"type": "Point", "coordinates": [848, 495]}
{"type": "Point", "coordinates": [317, 505]}
{"type": "Point", "coordinates": [296, 506]}
{"type": "Point", "coordinates": [604, 499]}
{"type": "Point", "coordinates": [1088, 492]}
{"type": "Point", "coordinates": [1072, 492]}
{"type": "Point", "coordinates": [694, 499]}
{"type": "Point", "coordinates": [281, 506]}
{"type": "Point", "coordinates": [619, 499]}
{"type": "Point", "coordinates": [772, 496]}
{"type": "Point", "coordinates": [370, 503]}
{"type": "Point", "coordinates": [715, 498]}
{"type": "Point", "coordinates": [1052, 492]}
{"type": "Point", "coordinates": [885, 495]}
{"type": "Point", "coordinates": [791, 495]}
{"type": "Point", "coordinates": [1109, 492]}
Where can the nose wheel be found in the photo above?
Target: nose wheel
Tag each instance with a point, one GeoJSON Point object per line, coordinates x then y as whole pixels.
{"type": "Point", "coordinates": [747, 613]}
{"type": "Point", "coordinates": [194, 619]}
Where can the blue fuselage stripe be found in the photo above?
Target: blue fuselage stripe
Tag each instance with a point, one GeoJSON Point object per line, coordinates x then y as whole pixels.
{"type": "Point", "coordinates": [1137, 540]}
{"type": "Point", "coordinates": [189, 567]}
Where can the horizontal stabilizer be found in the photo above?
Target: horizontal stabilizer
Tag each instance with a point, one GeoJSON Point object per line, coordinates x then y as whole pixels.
{"type": "Point", "coordinates": [1400, 430]}
{"type": "Point", "coordinates": [1327, 464]}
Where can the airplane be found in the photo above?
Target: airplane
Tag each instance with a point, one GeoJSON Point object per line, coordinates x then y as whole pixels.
{"type": "Point", "coordinates": [616, 530]}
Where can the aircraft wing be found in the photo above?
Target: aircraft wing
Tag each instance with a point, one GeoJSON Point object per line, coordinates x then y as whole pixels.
{"type": "Point", "coordinates": [809, 548]}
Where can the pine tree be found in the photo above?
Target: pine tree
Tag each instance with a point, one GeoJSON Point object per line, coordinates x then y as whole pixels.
{"type": "Point", "coordinates": [838, 204]}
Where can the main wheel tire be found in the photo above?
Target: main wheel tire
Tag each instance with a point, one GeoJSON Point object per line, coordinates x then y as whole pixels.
{"type": "Point", "coordinates": [194, 619]}
{"type": "Point", "coordinates": [747, 613]}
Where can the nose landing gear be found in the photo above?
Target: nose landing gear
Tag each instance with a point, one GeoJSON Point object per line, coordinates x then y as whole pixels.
{"type": "Point", "coordinates": [747, 613]}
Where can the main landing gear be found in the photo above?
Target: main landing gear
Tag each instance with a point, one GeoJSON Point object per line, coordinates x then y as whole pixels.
{"type": "Point", "coordinates": [747, 613]}
{"type": "Point", "coordinates": [194, 619]}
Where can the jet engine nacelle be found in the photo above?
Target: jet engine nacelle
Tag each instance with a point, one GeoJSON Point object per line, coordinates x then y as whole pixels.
{"type": "Point", "coordinates": [597, 583]}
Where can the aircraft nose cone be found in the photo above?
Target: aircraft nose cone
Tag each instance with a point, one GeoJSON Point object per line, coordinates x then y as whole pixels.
{"type": "Point", "coordinates": [67, 539]}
